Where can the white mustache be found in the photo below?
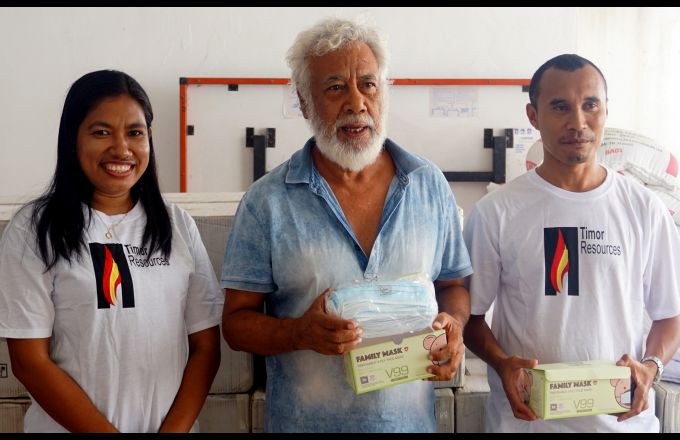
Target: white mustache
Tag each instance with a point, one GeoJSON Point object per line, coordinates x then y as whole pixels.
{"type": "Point", "coordinates": [365, 120]}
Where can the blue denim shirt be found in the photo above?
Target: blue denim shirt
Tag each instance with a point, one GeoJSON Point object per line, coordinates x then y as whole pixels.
{"type": "Point", "coordinates": [290, 240]}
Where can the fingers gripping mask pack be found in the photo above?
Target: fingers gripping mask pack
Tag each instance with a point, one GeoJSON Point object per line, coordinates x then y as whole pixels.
{"type": "Point", "coordinates": [396, 317]}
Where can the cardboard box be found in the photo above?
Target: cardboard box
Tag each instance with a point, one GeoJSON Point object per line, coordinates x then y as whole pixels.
{"type": "Point", "coordinates": [471, 398]}
{"type": "Point", "coordinates": [667, 405]}
{"type": "Point", "coordinates": [577, 389]}
{"type": "Point", "coordinates": [225, 413]}
{"type": "Point", "coordinates": [385, 362]}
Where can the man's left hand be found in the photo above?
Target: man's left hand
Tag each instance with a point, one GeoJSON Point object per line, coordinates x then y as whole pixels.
{"type": "Point", "coordinates": [643, 375]}
{"type": "Point", "coordinates": [447, 359]}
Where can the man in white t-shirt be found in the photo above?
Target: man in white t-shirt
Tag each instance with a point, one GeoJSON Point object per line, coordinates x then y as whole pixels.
{"type": "Point", "coordinates": [572, 253]}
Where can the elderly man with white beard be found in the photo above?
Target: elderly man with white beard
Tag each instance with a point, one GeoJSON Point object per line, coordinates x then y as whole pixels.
{"type": "Point", "coordinates": [350, 205]}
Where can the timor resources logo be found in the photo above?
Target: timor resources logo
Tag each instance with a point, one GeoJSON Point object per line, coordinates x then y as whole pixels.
{"type": "Point", "coordinates": [562, 247]}
{"type": "Point", "coordinates": [113, 276]}
{"type": "Point", "coordinates": [561, 260]}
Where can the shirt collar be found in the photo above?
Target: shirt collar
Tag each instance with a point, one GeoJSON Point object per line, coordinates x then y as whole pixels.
{"type": "Point", "coordinates": [301, 165]}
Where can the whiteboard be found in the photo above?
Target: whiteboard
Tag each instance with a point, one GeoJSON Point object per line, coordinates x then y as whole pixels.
{"type": "Point", "coordinates": [218, 161]}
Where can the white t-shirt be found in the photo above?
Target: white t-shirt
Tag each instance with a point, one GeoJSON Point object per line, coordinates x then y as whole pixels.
{"type": "Point", "coordinates": [571, 274]}
{"type": "Point", "coordinates": [129, 357]}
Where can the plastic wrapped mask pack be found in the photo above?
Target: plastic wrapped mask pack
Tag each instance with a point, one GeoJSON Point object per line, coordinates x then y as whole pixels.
{"type": "Point", "coordinates": [385, 308]}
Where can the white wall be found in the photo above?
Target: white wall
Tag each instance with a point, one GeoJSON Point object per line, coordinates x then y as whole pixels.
{"type": "Point", "coordinates": [46, 49]}
{"type": "Point", "coordinates": [638, 50]}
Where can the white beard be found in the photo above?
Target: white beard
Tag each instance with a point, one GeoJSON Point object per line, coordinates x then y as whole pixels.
{"type": "Point", "coordinates": [349, 155]}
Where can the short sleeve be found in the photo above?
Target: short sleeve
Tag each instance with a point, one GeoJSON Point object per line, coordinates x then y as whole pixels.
{"type": "Point", "coordinates": [26, 306]}
{"type": "Point", "coordinates": [455, 262]}
{"type": "Point", "coordinates": [205, 299]}
{"type": "Point", "coordinates": [661, 276]}
{"type": "Point", "coordinates": [247, 259]}
{"type": "Point", "coordinates": [482, 243]}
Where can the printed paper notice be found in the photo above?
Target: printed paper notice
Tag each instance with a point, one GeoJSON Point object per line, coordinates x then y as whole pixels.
{"type": "Point", "coordinates": [523, 139]}
{"type": "Point", "coordinates": [453, 102]}
{"type": "Point", "coordinates": [291, 104]}
{"type": "Point", "coordinates": [515, 158]}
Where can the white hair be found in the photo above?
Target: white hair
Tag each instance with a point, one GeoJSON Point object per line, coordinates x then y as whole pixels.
{"type": "Point", "coordinates": [327, 36]}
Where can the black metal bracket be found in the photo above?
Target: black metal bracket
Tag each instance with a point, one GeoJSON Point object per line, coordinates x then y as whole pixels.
{"type": "Point", "coordinates": [259, 144]}
{"type": "Point", "coordinates": [497, 174]}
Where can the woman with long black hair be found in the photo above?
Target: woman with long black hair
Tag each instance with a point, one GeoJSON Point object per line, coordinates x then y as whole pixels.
{"type": "Point", "coordinates": [108, 300]}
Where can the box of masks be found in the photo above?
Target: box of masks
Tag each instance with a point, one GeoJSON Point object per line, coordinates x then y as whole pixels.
{"type": "Point", "coordinates": [384, 364]}
{"type": "Point", "coordinates": [574, 389]}
{"type": "Point", "coordinates": [396, 317]}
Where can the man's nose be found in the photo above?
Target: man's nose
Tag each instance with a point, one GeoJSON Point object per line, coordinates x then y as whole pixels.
{"type": "Point", "coordinates": [577, 119]}
{"type": "Point", "coordinates": [356, 101]}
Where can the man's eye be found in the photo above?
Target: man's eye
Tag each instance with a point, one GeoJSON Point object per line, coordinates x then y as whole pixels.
{"type": "Point", "coordinates": [560, 108]}
{"type": "Point", "coordinates": [136, 133]}
{"type": "Point", "coordinates": [334, 88]}
{"type": "Point", "coordinates": [370, 85]}
{"type": "Point", "coordinates": [591, 105]}
{"type": "Point", "coordinates": [101, 133]}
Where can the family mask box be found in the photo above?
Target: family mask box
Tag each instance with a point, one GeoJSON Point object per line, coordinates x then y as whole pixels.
{"type": "Point", "coordinates": [392, 360]}
{"type": "Point", "coordinates": [575, 389]}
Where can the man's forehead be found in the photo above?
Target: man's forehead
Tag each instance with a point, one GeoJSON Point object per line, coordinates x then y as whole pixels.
{"type": "Point", "coordinates": [584, 81]}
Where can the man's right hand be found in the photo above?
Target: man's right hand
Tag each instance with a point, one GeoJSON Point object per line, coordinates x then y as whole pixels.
{"type": "Point", "coordinates": [316, 330]}
{"type": "Point", "coordinates": [516, 384]}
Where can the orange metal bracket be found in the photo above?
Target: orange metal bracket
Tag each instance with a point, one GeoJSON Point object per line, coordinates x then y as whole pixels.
{"type": "Point", "coordinates": [183, 100]}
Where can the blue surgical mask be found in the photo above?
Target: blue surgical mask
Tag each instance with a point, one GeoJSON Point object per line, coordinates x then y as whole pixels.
{"type": "Point", "coordinates": [385, 308]}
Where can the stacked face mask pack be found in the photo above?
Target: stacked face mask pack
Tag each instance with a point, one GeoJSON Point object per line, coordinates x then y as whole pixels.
{"type": "Point", "coordinates": [385, 308]}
